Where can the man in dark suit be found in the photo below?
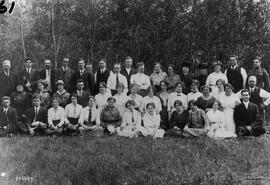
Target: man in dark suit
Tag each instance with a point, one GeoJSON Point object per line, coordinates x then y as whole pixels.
{"type": "Point", "coordinates": [28, 76]}
{"type": "Point", "coordinates": [8, 119]}
{"type": "Point", "coordinates": [7, 79]}
{"type": "Point", "coordinates": [65, 73]}
{"type": "Point", "coordinates": [247, 117]}
{"type": "Point", "coordinates": [102, 74]}
{"type": "Point", "coordinates": [48, 76]}
{"type": "Point", "coordinates": [86, 76]}
{"type": "Point", "coordinates": [82, 96]}
{"type": "Point", "coordinates": [36, 116]}
{"type": "Point", "coordinates": [127, 71]}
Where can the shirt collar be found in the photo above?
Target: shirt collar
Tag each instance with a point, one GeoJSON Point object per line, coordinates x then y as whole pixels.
{"type": "Point", "coordinates": [62, 92]}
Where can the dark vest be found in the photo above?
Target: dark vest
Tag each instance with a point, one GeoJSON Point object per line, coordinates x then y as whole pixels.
{"type": "Point", "coordinates": [255, 96]}
{"type": "Point", "coordinates": [235, 78]}
{"type": "Point", "coordinates": [102, 77]}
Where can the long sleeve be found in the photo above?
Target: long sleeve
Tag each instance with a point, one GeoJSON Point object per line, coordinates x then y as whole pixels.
{"type": "Point", "coordinates": [66, 112]}
{"type": "Point", "coordinates": [62, 117]}
{"type": "Point", "coordinates": [50, 122]}
{"type": "Point", "coordinates": [110, 83]}
{"type": "Point", "coordinates": [81, 118]}
{"type": "Point", "coordinates": [146, 83]}
{"type": "Point", "coordinates": [265, 95]}
{"type": "Point", "coordinates": [244, 75]}
{"type": "Point", "coordinates": [266, 80]}
{"type": "Point", "coordinates": [97, 117]}
{"type": "Point", "coordinates": [205, 119]}
{"type": "Point", "coordinates": [125, 119]}
{"type": "Point", "coordinates": [257, 121]}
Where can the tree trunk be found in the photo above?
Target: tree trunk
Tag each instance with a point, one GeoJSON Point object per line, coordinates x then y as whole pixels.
{"type": "Point", "coordinates": [22, 34]}
{"type": "Point", "coordinates": [55, 47]}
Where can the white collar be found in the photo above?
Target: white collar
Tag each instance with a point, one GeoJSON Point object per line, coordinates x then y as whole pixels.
{"type": "Point", "coordinates": [62, 92]}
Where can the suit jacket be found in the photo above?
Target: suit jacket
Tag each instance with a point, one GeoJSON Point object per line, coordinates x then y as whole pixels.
{"type": "Point", "coordinates": [7, 83]}
{"type": "Point", "coordinates": [247, 117]}
{"type": "Point", "coordinates": [30, 115]}
{"type": "Point", "coordinates": [34, 77]}
{"type": "Point", "coordinates": [66, 77]}
{"type": "Point", "coordinates": [42, 75]}
{"type": "Point", "coordinates": [84, 99]}
{"type": "Point", "coordinates": [10, 118]}
{"type": "Point", "coordinates": [87, 78]}
{"type": "Point", "coordinates": [128, 76]}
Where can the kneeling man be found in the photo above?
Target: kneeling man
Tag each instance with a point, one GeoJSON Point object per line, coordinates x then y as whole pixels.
{"type": "Point", "coordinates": [247, 117]}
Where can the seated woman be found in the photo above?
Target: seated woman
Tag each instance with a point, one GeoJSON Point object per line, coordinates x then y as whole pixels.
{"type": "Point", "coordinates": [164, 96]}
{"type": "Point", "coordinates": [45, 95]}
{"type": "Point", "coordinates": [120, 99]}
{"type": "Point", "coordinates": [110, 117]}
{"type": "Point", "coordinates": [179, 122]}
{"type": "Point", "coordinates": [72, 114]}
{"type": "Point", "coordinates": [205, 102]}
{"type": "Point", "coordinates": [151, 122]}
{"type": "Point", "coordinates": [131, 121]}
{"type": "Point", "coordinates": [221, 86]}
{"type": "Point", "coordinates": [216, 119]}
{"type": "Point", "coordinates": [89, 120]}
{"type": "Point", "coordinates": [61, 93]}
{"type": "Point", "coordinates": [136, 97]}
{"type": "Point", "coordinates": [195, 93]}
{"type": "Point", "coordinates": [56, 118]}
{"type": "Point", "coordinates": [198, 121]}
{"type": "Point", "coordinates": [102, 96]}
{"type": "Point", "coordinates": [151, 98]}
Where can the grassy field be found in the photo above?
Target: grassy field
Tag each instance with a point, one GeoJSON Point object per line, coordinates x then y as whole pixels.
{"type": "Point", "coordinates": [115, 160]}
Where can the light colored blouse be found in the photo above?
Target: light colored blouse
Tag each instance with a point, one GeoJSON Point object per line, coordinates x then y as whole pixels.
{"type": "Point", "coordinates": [140, 79]}
{"type": "Point", "coordinates": [127, 118]}
{"type": "Point", "coordinates": [84, 117]}
{"type": "Point", "coordinates": [175, 96]}
{"type": "Point", "coordinates": [151, 121]}
{"type": "Point", "coordinates": [193, 96]}
{"type": "Point", "coordinates": [56, 114]}
{"type": "Point", "coordinates": [216, 117]}
{"type": "Point", "coordinates": [120, 103]}
{"type": "Point", "coordinates": [138, 100]}
{"type": "Point", "coordinates": [156, 78]}
{"type": "Point", "coordinates": [155, 100]}
{"type": "Point", "coordinates": [72, 111]}
{"type": "Point", "coordinates": [101, 99]}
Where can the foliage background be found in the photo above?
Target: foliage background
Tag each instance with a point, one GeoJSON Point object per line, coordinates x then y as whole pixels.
{"type": "Point", "coordinates": [168, 31]}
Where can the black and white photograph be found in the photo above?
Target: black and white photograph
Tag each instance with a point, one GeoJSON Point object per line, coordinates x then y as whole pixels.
{"type": "Point", "coordinates": [134, 92]}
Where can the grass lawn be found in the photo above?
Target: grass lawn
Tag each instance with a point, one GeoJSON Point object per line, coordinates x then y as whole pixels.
{"type": "Point", "coordinates": [115, 160]}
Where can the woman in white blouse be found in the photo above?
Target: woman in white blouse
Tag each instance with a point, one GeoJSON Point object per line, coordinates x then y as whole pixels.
{"type": "Point", "coordinates": [151, 98]}
{"type": "Point", "coordinates": [72, 114]}
{"type": "Point", "coordinates": [120, 99]}
{"type": "Point", "coordinates": [56, 118]}
{"type": "Point", "coordinates": [151, 122]}
{"type": "Point", "coordinates": [195, 93]}
{"type": "Point", "coordinates": [102, 96]}
{"type": "Point", "coordinates": [220, 92]}
{"type": "Point", "coordinates": [131, 121]}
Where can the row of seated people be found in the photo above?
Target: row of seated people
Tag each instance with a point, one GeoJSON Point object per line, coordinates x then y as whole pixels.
{"type": "Point", "coordinates": [109, 116]}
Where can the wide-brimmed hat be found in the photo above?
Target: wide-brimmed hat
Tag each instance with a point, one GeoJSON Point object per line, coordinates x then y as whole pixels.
{"type": "Point", "coordinates": [60, 82]}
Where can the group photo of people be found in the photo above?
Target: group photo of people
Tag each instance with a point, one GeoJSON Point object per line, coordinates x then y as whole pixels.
{"type": "Point", "coordinates": [208, 101]}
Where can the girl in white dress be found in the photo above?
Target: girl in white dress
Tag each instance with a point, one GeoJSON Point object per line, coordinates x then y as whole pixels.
{"type": "Point", "coordinates": [102, 96]}
{"type": "Point", "coordinates": [121, 99]}
{"type": "Point", "coordinates": [131, 121]}
{"type": "Point", "coordinates": [216, 119]}
{"type": "Point", "coordinates": [228, 102]}
{"type": "Point", "coordinates": [151, 122]}
{"type": "Point", "coordinates": [151, 98]}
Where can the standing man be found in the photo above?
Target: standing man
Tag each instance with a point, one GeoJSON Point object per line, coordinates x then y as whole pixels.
{"type": "Point", "coordinates": [141, 79]}
{"type": "Point", "coordinates": [236, 75]}
{"type": "Point", "coordinates": [7, 79]}
{"type": "Point", "coordinates": [48, 76]}
{"type": "Point", "coordinates": [28, 76]}
{"type": "Point", "coordinates": [115, 79]}
{"type": "Point", "coordinates": [247, 117]}
{"type": "Point", "coordinates": [102, 74]}
{"type": "Point", "coordinates": [260, 73]}
{"type": "Point", "coordinates": [128, 71]}
{"type": "Point", "coordinates": [86, 76]}
{"type": "Point", "coordinates": [65, 73]}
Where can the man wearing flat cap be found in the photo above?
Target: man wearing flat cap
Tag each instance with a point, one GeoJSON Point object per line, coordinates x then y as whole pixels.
{"type": "Point", "coordinates": [216, 75]}
{"type": "Point", "coordinates": [7, 79]}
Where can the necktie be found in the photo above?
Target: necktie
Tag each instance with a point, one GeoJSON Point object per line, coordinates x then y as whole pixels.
{"type": "Point", "coordinates": [36, 112]}
{"type": "Point", "coordinates": [251, 90]}
{"type": "Point", "coordinates": [28, 75]}
{"type": "Point", "coordinates": [81, 72]}
{"type": "Point", "coordinates": [6, 118]}
{"type": "Point", "coordinates": [132, 119]}
{"type": "Point", "coordinates": [117, 81]}
{"type": "Point", "coordinates": [90, 116]}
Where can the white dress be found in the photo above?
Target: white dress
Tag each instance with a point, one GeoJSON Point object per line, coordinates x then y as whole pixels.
{"type": "Point", "coordinates": [120, 101]}
{"type": "Point", "coordinates": [228, 104]}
